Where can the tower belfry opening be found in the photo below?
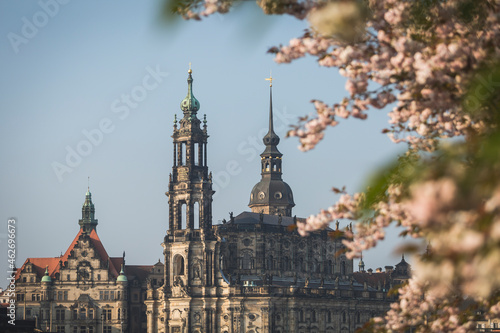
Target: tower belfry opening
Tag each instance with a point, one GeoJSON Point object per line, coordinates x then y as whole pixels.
{"type": "Point", "coordinates": [190, 186]}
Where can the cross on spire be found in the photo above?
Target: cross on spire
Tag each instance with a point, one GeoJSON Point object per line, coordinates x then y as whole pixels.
{"type": "Point", "coordinates": [270, 79]}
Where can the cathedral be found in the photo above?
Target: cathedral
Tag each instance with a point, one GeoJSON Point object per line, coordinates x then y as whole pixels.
{"type": "Point", "coordinates": [251, 274]}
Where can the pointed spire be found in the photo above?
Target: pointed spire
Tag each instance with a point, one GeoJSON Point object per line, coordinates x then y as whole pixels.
{"type": "Point", "coordinates": [271, 195]}
{"type": "Point", "coordinates": [271, 139]}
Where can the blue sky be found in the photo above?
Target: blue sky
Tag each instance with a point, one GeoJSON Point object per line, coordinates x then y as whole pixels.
{"type": "Point", "coordinates": [69, 77]}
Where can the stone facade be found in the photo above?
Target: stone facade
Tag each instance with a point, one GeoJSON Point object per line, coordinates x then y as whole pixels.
{"type": "Point", "coordinates": [84, 290]}
{"type": "Point", "coordinates": [253, 273]}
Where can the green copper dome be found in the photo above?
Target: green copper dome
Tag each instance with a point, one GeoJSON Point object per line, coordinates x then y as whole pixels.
{"type": "Point", "coordinates": [121, 277]}
{"type": "Point", "coordinates": [190, 103]}
{"type": "Point", "coordinates": [46, 277]}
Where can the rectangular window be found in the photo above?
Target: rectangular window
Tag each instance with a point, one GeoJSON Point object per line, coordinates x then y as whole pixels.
{"type": "Point", "coordinates": [28, 312]}
{"type": "Point", "coordinates": [91, 314]}
{"type": "Point", "coordinates": [112, 295]}
{"type": "Point", "coordinates": [75, 329]}
{"type": "Point", "coordinates": [83, 314]}
{"type": "Point", "coordinates": [106, 314]}
{"type": "Point", "coordinates": [91, 329]}
{"type": "Point", "coordinates": [99, 277]}
{"type": "Point", "coordinates": [107, 329]}
{"type": "Point", "coordinates": [60, 329]}
{"type": "Point", "coordinates": [60, 314]}
{"type": "Point", "coordinates": [68, 277]}
{"type": "Point", "coordinates": [20, 297]}
{"type": "Point", "coordinates": [75, 314]}
{"type": "Point", "coordinates": [83, 329]}
{"type": "Point", "coordinates": [106, 295]}
{"type": "Point", "coordinates": [101, 295]}
{"type": "Point", "coordinates": [118, 295]}
{"type": "Point", "coordinates": [65, 295]}
{"type": "Point", "coordinates": [59, 295]}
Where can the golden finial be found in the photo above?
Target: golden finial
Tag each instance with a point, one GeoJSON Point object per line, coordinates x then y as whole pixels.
{"type": "Point", "coordinates": [270, 79]}
{"type": "Point", "coordinates": [190, 71]}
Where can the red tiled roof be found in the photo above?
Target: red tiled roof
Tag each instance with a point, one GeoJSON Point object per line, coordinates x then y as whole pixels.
{"type": "Point", "coordinates": [372, 279]}
{"type": "Point", "coordinates": [103, 254]}
{"type": "Point", "coordinates": [116, 263]}
{"type": "Point", "coordinates": [141, 272]}
{"type": "Point", "coordinates": [39, 264]}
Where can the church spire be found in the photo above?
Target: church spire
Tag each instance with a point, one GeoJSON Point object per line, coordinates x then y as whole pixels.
{"type": "Point", "coordinates": [271, 139]}
{"type": "Point", "coordinates": [271, 195]}
{"type": "Point", "coordinates": [88, 220]}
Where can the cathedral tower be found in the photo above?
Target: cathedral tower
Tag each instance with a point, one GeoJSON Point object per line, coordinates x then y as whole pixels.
{"type": "Point", "coordinates": [190, 187]}
{"type": "Point", "coordinates": [189, 246]}
{"type": "Point", "coordinates": [271, 195]}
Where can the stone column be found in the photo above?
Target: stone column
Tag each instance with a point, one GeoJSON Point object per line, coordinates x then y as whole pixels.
{"type": "Point", "coordinates": [292, 320]}
{"type": "Point", "coordinates": [200, 153]}
{"type": "Point", "coordinates": [150, 320]}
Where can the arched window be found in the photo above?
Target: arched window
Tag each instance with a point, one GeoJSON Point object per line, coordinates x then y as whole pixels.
{"type": "Point", "coordinates": [178, 265]}
{"type": "Point", "coordinates": [301, 315]}
{"type": "Point", "coordinates": [267, 166]}
{"type": "Point", "coordinates": [183, 153]}
{"type": "Point", "coordinates": [301, 265]}
{"type": "Point", "coordinates": [270, 262]}
{"type": "Point", "coordinates": [316, 267]}
{"type": "Point", "coordinates": [344, 317]}
{"type": "Point", "coordinates": [195, 154]}
{"type": "Point", "coordinates": [182, 215]}
{"type": "Point", "coordinates": [196, 215]}
{"type": "Point", "coordinates": [342, 268]}
{"type": "Point", "coordinates": [313, 316]}
{"type": "Point", "coordinates": [329, 316]}
{"type": "Point", "coordinates": [286, 264]}
{"type": "Point", "coordinates": [246, 261]}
